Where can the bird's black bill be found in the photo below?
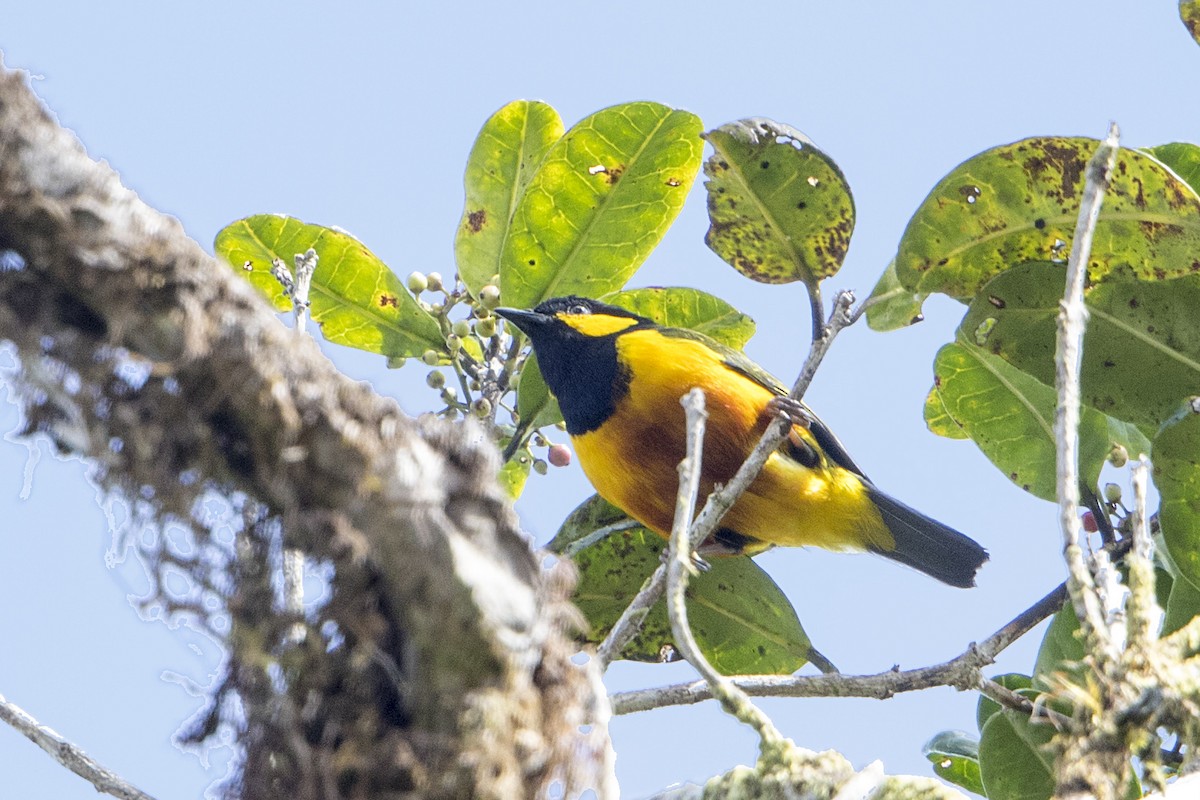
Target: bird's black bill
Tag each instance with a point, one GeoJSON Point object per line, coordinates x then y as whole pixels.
{"type": "Point", "coordinates": [527, 321]}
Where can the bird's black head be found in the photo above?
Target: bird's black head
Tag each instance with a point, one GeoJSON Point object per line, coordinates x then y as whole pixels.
{"type": "Point", "coordinates": [575, 342]}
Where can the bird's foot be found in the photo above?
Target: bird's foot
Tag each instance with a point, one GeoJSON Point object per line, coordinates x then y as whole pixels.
{"type": "Point", "coordinates": [794, 411]}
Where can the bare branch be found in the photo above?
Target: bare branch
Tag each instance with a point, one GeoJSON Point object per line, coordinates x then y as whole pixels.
{"type": "Point", "coordinates": [68, 754]}
{"type": "Point", "coordinates": [961, 672]}
{"type": "Point", "coordinates": [683, 542]}
{"type": "Point", "coordinates": [1072, 322]}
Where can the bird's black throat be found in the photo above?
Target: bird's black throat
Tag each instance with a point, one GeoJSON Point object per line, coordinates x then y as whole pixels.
{"type": "Point", "coordinates": [584, 375]}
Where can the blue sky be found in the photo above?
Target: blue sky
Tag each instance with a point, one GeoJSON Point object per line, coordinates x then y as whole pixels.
{"type": "Point", "coordinates": [362, 117]}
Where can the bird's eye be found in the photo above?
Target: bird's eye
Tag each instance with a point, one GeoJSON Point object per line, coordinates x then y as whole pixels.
{"type": "Point", "coordinates": [579, 308]}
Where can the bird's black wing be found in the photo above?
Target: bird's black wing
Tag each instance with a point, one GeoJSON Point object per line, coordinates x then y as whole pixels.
{"type": "Point", "coordinates": [741, 363]}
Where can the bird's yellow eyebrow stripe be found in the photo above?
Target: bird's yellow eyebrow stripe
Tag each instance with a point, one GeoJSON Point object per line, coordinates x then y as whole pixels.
{"type": "Point", "coordinates": [596, 324]}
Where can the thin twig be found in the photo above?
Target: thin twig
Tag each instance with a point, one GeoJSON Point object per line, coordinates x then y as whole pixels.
{"type": "Point", "coordinates": [961, 672]}
{"type": "Point", "coordinates": [723, 499]}
{"type": "Point", "coordinates": [679, 568]}
{"type": "Point", "coordinates": [1022, 704]}
{"type": "Point", "coordinates": [1072, 322]}
{"type": "Point", "coordinates": [68, 754]}
{"type": "Point", "coordinates": [631, 619]}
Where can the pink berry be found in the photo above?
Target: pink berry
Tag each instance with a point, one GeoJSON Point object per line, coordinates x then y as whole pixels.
{"type": "Point", "coordinates": [1089, 522]}
{"type": "Point", "coordinates": [559, 455]}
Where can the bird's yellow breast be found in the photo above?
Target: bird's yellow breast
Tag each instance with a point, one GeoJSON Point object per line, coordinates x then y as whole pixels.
{"type": "Point", "coordinates": [632, 457]}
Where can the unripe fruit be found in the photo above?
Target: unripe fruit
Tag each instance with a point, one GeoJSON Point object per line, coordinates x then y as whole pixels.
{"type": "Point", "coordinates": [1089, 522]}
{"type": "Point", "coordinates": [1112, 492]}
{"type": "Point", "coordinates": [461, 328]}
{"type": "Point", "coordinates": [430, 357]}
{"type": "Point", "coordinates": [481, 407]}
{"type": "Point", "coordinates": [559, 455]}
{"type": "Point", "coordinates": [1118, 456]}
{"type": "Point", "coordinates": [417, 282]}
{"type": "Point", "coordinates": [539, 467]}
{"type": "Point", "coordinates": [435, 281]}
{"type": "Point", "coordinates": [449, 394]}
{"type": "Point", "coordinates": [486, 327]}
{"type": "Point", "coordinates": [489, 296]}
{"type": "Point", "coordinates": [453, 343]}
{"type": "Point", "coordinates": [435, 379]}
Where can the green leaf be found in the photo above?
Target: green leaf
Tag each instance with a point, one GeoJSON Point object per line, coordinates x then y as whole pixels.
{"type": "Point", "coordinates": [1176, 461]}
{"type": "Point", "coordinates": [938, 420]}
{"type": "Point", "coordinates": [1183, 158]}
{"type": "Point", "coordinates": [987, 706]}
{"type": "Point", "coordinates": [534, 401]}
{"type": "Point", "coordinates": [601, 200]}
{"type": "Point", "coordinates": [1141, 352]}
{"type": "Point", "coordinates": [355, 298]}
{"type": "Point", "coordinates": [1181, 607]}
{"type": "Point", "coordinates": [742, 622]}
{"type": "Point", "coordinates": [672, 307]}
{"type": "Point", "coordinates": [891, 306]}
{"type": "Point", "coordinates": [1062, 651]}
{"type": "Point", "coordinates": [1189, 12]}
{"type": "Point", "coordinates": [681, 307]}
{"type": "Point", "coordinates": [515, 472]}
{"type": "Point", "coordinates": [1010, 416]}
{"type": "Point", "coordinates": [780, 209]}
{"type": "Point", "coordinates": [955, 758]}
{"type": "Point", "coordinates": [1019, 203]}
{"type": "Point", "coordinates": [506, 152]}
{"type": "Point", "coordinates": [581, 524]}
{"type": "Point", "coordinates": [1014, 760]}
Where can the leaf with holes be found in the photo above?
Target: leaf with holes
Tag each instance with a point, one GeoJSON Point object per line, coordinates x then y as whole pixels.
{"type": "Point", "coordinates": [955, 758]}
{"type": "Point", "coordinates": [355, 298]}
{"type": "Point", "coordinates": [1176, 460]}
{"type": "Point", "coordinates": [779, 209]}
{"type": "Point", "coordinates": [1010, 417]}
{"type": "Point", "coordinates": [504, 157]}
{"type": "Point", "coordinates": [1141, 353]}
{"type": "Point", "coordinates": [1019, 203]}
{"type": "Point", "coordinates": [742, 622]}
{"type": "Point", "coordinates": [601, 200]}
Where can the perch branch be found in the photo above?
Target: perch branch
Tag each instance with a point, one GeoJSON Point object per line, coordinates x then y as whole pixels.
{"type": "Point", "coordinates": [961, 672]}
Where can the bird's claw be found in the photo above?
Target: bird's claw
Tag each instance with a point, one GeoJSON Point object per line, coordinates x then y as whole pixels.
{"type": "Point", "coordinates": [794, 411]}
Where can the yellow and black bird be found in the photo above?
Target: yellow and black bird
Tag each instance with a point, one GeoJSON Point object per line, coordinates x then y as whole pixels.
{"type": "Point", "coordinates": [618, 378]}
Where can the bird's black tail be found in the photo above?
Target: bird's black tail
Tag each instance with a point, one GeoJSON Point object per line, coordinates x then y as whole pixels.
{"type": "Point", "coordinates": [928, 545]}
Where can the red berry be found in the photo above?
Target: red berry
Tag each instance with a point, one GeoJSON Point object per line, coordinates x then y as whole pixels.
{"type": "Point", "coordinates": [559, 455]}
{"type": "Point", "coordinates": [1089, 522]}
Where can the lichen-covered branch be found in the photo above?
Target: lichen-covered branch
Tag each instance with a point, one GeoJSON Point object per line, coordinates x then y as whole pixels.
{"type": "Point", "coordinates": [441, 662]}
